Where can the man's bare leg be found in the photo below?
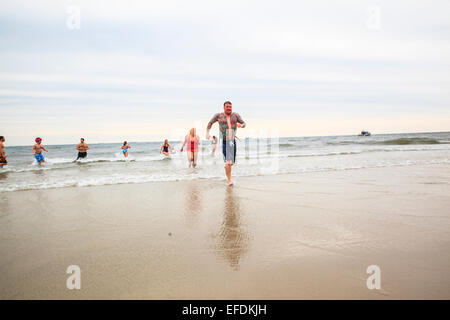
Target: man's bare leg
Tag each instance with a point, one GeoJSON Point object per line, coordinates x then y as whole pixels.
{"type": "Point", "coordinates": [228, 172]}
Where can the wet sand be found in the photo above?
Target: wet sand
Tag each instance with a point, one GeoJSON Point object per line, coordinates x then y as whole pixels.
{"type": "Point", "coordinates": [303, 236]}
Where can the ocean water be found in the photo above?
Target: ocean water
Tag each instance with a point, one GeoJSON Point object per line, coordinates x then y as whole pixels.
{"type": "Point", "coordinates": [106, 165]}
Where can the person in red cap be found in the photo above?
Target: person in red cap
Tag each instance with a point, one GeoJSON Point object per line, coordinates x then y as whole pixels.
{"type": "Point", "coordinates": [37, 151]}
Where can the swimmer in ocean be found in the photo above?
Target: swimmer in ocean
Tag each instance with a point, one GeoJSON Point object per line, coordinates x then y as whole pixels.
{"type": "Point", "coordinates": [125, 148]}
{"type": "Point", "coordinates": [37, 151]}
{"type": "Point", "coordinates": [165, 148]}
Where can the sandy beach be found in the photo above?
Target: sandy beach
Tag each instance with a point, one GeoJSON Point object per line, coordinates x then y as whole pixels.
{"type": "Point", "coordinates": [292, 236]}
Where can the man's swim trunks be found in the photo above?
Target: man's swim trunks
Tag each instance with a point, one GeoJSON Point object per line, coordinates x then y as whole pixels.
{"type": "Point", "coordinates": [3, 160]}
{"type": "Point", "coordinates": [39, 157]}
{"type": "Point", "coordinates": [82, 155]}
{"type": "Point", "coordinates": [229, 150]}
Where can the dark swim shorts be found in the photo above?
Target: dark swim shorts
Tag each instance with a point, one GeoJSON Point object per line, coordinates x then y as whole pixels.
{"type": "Point", "coordinates": [82, 155]}
{"type": "Point", "coordinates": [229, 150]}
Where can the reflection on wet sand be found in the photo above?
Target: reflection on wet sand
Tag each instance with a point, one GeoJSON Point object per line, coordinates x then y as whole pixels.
{"type": "Point", "coordinates": [193, 204]}
{"type": "Point", "coordinates": [233, 240]}
{"type": "Point", "coordinates": [5, 208]}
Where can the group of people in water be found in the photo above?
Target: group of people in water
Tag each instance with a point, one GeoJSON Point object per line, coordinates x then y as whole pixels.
{"type": "Point", "coordinates": [228, 122]}
{"type": "Point", "coordinates": [38, 148]}
{"type": "Point", "coordinates": [192, 141]}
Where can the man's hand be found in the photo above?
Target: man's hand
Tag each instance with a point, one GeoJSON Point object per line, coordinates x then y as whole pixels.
{"type": "Point", "coordinates": [239, 125]}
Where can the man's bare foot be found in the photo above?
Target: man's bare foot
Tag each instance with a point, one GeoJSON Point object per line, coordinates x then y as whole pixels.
{"type": "Point", "coordinates": [230, 183]}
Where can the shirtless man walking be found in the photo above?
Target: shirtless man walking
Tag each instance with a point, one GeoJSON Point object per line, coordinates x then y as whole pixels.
{"type": "Point", "coordinates": [3, 161]}
{"type": "Point", "coordinates": [229, 121]}
{"type": "Point", "coordinates": [37, 151]}
{"type": "Point", "coordinates": [82, 148]}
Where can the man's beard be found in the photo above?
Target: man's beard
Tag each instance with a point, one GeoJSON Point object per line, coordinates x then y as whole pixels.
{"type": "Point", "coordinates": [228, 112]}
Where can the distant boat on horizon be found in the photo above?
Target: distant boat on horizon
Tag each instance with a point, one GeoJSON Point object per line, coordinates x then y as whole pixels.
{"type": "Point", "coordinates": [364, 133]}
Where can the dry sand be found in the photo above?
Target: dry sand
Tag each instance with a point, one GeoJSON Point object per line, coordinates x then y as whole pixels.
{"type": "Point", "coordinates": [307, 236]}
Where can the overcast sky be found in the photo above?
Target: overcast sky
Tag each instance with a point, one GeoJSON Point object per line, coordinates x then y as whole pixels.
{"type": "Point", "coordinates": [146, 70]}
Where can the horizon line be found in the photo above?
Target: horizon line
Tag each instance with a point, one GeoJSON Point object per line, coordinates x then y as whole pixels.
{"type": "Point", "coordinates": [284, 137]}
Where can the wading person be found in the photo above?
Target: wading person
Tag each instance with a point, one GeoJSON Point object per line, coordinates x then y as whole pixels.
{"type": "Point", "coordinates": [213, 145]}
{"type": "Point", "coordinates": [125, 148]}
{"type": "Point", "coordinates": [191, 140]}
{"type": "Point", "coordinates": [228, 121]}
{"type": "Point", "coordinates": [166, 148]}
{"type": "Point", "coordinates": [82, 148]}
{"type": "Point", "coordinates": [3, 161]}
{"type": "Point", "coordinates": [37, 151]}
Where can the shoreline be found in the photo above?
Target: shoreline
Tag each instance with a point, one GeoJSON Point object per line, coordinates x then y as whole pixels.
{"type": "Point", "coordinates": [289, 236]}
{"type": "Point", "coordinates": [181, 180]}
